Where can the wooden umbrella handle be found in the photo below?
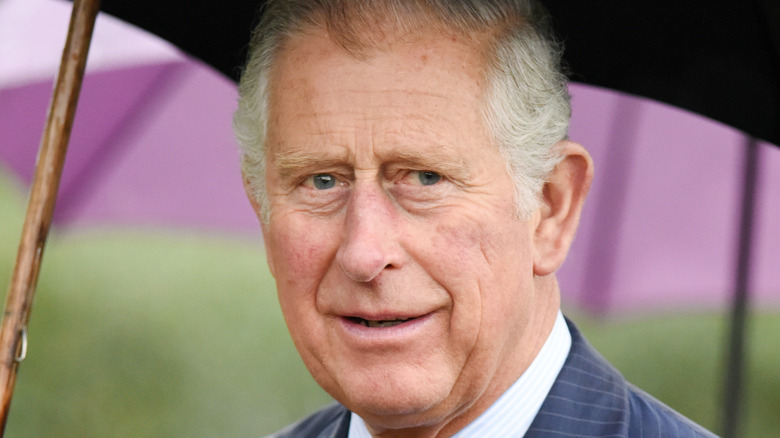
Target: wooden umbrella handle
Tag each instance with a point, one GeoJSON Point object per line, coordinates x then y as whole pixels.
{"type": "Point", "coordinates": [43, 194]}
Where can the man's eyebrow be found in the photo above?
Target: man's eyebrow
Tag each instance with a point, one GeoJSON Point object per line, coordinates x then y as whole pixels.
{"type": "Point", "coordinates": [439, 158]}
{"type": "Point", "coordinates": [293, 161]}
{"type": "Point", "coordinates": [435, 158]}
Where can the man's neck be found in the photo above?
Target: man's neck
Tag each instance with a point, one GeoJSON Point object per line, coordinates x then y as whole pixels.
{"type": "Point", "coordinates": [522, 399]}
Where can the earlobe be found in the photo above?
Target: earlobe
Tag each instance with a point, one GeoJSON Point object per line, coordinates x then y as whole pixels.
{"type": "Point", "coordinates": [562, 199]}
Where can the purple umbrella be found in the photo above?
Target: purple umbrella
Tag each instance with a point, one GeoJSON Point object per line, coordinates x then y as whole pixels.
{"type": "Point", "coordinates": [152, 142]}
{"type": "Point", "coordinates": [661, 226]}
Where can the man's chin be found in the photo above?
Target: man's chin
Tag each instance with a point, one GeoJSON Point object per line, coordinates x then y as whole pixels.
{"type": "Point", "coordinates": [398, 410]}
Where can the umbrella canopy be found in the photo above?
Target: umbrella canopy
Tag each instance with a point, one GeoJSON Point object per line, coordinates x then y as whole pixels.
{"type": "Point", "coordinates": [673, 51]}
{"type": "Point", "coordinates": [661, 225]}
{"type": "Point", "coordinates": [678, 52]}
{"type": "Point", "coordinates": [150, 124]}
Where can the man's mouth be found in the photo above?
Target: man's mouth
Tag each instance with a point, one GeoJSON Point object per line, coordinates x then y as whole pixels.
{"type": "Point", "coordinates": [382, 323]}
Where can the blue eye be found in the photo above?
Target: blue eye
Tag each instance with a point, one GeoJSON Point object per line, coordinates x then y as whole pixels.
{"type": "Point", "coordinates": [428, 178]}
{"type": "Point", "coordinates": [323, 181]}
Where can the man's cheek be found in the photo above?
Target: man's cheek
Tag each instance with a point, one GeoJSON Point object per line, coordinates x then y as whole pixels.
{"type": "Point", "coordinates": [300, 269]}
{"type": "Point", "coordinates": [460, 244]}
{"type": "Point", "coordinates": [472, 255]}
{"type": "Point", "coordinates": [300, 258]}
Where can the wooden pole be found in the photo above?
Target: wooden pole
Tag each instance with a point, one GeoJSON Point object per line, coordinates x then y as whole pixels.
{"type": "Point", "coordinates": [43, 194]}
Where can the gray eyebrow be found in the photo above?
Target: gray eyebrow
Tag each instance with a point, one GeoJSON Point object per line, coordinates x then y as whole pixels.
{"type": "Point", "coordinates": [435, 158]}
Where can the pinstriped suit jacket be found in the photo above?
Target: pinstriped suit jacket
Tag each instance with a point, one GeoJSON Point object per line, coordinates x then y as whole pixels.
{"type": "Point", "coordinates": [588, 399]}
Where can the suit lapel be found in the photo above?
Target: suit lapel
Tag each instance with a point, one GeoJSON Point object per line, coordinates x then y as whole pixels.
{"type": "Point", "coordinates": [588, 399]}
{"type": "Point", "coordinates": [342, 431]}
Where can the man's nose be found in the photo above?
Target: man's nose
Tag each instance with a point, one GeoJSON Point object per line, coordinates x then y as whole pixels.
{"type": "Point", "coordinates": [370, 242]}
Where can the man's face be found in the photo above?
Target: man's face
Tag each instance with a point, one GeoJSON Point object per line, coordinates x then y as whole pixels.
{"type": "Point", "coordinates": [404, 276]}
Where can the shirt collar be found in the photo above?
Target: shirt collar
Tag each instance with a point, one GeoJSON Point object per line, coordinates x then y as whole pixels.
{"type": "Point", "coordinates": [511, 415]}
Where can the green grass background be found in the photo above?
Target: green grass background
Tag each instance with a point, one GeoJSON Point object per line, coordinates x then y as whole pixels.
{"type": "Point", "coordinates": [152, 333]}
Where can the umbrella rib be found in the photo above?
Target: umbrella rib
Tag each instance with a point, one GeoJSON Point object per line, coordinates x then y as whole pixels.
{"type": "Point", "coordinates": [742, 282]}
{"type": "Point", "coordinates": [610, 206]}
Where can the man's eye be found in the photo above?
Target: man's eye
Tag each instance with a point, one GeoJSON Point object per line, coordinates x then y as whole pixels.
{"type": "Point", "coordinates": [323, 181]}
{"type": "Point", "coordinates": [428, 178]}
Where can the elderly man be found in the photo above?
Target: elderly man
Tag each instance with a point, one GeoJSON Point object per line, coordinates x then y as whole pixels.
{"type": "Point", "coordinates": [409, 164]}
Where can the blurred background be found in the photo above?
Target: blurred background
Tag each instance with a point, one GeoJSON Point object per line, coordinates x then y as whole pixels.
{"type": "Point", "coordinates": [155, 314]}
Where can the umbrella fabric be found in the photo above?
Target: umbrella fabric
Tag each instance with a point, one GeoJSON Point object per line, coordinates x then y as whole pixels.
{"type": "Point", "coordinates": [152, 142]}
{"type": "Point", "coordinates": [679, 51]}
{"type": "Point", "coordinates": [151, 145]}
{"type": "Point", "coordinates": [661, 225]}
{"type": "Point", "coordinates": [673, 51]}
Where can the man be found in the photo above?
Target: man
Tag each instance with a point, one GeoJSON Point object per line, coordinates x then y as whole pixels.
{"type": "Point", "coordinates": [409, 164]}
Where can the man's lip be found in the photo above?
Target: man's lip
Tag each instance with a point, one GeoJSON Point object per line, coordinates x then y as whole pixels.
{"type": "Point", "coordinates": [379, 323]}
{"type": "Point", "coordinates": [385, 316]}
{"type": "Point", "coordinates": [411, 324]}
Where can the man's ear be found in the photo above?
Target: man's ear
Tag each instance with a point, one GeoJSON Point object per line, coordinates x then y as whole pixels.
{"type": "Point", "coordinates": [559, 213]}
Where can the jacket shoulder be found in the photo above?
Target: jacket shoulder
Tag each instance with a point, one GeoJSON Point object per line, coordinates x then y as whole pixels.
{"type": "Point", "coordinates": [331, 421]}
{"type": "Point", "coordinates": [650, 418]}
{"type": "Point", "coordinates": [590, 398]}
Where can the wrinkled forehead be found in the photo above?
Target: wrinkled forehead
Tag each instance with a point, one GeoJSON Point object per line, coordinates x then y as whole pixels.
{"type": "Point", "coordinates": [430, 69]}
{"type": "Point", "coordinates": [419, 59]}
{"type": "Point", "coordinates": [425, 94]}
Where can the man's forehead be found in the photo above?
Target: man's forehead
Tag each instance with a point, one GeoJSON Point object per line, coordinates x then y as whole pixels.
{"type": "Point", "coordinates": [413, 77]}
{"type": "Point", "coordinates": [367, 43]}
{"type": "Point", "coordinates": [430, 68]}
{"type": "Point", "coordinates": [414, 104]}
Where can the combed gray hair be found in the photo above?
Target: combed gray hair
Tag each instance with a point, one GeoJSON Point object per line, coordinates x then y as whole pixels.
{"type": "Point", "coordinates": [526, 108]}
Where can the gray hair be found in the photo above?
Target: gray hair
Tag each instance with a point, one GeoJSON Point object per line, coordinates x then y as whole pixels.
{"type": "Point", "coordinates": [526, 108]}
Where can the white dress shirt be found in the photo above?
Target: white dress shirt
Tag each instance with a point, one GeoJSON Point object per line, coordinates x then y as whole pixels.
{"type": "Point", "coordinates": [511, 415]}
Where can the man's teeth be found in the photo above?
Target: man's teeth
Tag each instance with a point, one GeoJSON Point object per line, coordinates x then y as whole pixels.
{"type": "Point", "coordinates": [389, 323]}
